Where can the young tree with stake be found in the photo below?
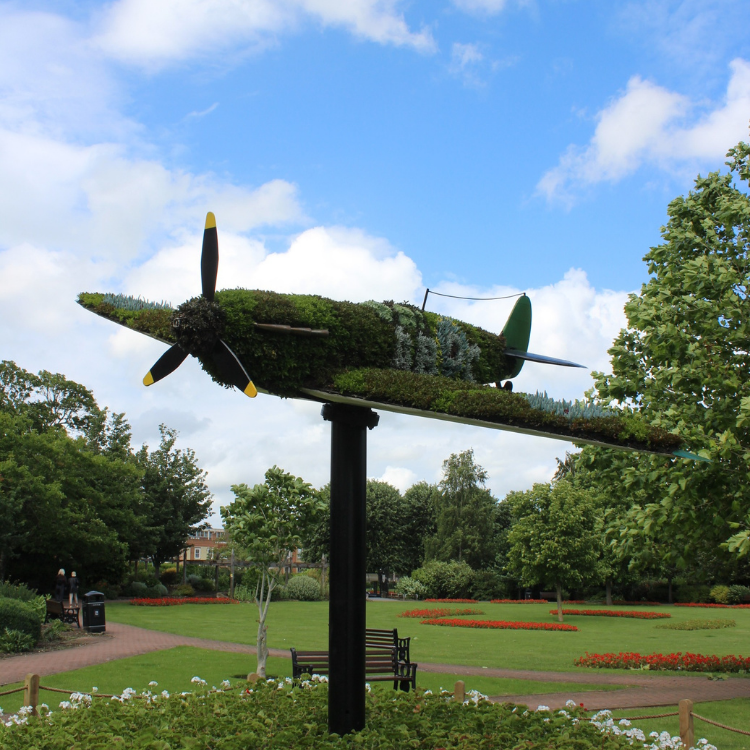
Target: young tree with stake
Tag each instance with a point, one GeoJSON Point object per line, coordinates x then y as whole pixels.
{"type": "Point", "coordinates": [270, 520]}
{"type": "Point", "coordinates": [553, 539]}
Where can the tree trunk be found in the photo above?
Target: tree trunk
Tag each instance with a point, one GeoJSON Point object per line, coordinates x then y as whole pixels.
{"type": "Point", "coordinates": [263, 600]}
{"type": "Point", "coordinates": [2, 566]}
{"type": "Point", "coordinates": [157, 569]}
{"type": "Point", "coordinates": [609, 592]}
{"type": "Point", "coordinates": [136, 567]}
{"type": "Point", "coordinates": [184, 566]}
{"type": "Point", "coordinates": [558, 588]}
{"type": "Point", "coordinates": [669, 598]}
{"type": "Point", "coordinates": [231, 575]}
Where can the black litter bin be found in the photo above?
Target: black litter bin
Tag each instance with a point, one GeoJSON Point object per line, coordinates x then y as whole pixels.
{"type": "Point", "coordinates": [93, 612]}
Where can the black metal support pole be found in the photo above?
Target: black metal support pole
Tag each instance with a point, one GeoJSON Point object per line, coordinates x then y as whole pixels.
{"type": "Point", "coordinates": [346, 578]}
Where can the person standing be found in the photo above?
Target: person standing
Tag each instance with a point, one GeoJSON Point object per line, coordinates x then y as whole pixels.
{"type": "Point", "coordinates": [73, 590]}
{"type": "Point", "coordinates": [60, 585]}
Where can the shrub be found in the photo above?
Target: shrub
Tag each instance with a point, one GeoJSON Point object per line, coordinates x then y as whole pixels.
{"type": "Point", "coordinates": [488, 585]}
{"type": "Point", "coordinates": [302, 588]}
{"type": "Point", "coordinates": [193, 579]}
{"type": "Point", "coordinates": [738, 594]}
{"type": "Point", "coordinates": [53, 630]}
{"type": "Point", "coordinates": [109, 590]}
{"type": "Point", "coordinates": [244, 593]}
{"type": "Point", "coordinates": [169, 577]}
{"type": "Point", "coordinates": [18, 615]}
{"type": "Point", "coordinates": [15, 641]}
{"type": "Point", "coordinates": [158, 590]}
{"type": "Point", "coordinates": [136, 588]}
{"type": "Point", "coordinates": [697, 594]}
{"type": "Point", "coordinates": [698, 625]}
{"type": "Point", "coordinates": [411, 588]}
{"type": "Point", "coordinates": [720, 594]}
{"type": "Point", "coordinates": [203, 584]}
{"type": "Point", "coordinates": [184, 589]}
{"type": "Point", "coordinates": [445, 580]}
{"type": "Point", "coordinates": [22, 593]}
{"type": "Point", "coordinates": [278, 715]}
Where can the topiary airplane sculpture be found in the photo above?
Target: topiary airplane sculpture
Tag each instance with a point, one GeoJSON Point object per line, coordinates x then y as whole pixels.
{"type": "Point", "coordinates": [387, 356]}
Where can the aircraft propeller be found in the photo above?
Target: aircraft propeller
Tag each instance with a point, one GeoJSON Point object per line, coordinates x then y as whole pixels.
{"type": "Point", "coordinates": [198, 324]}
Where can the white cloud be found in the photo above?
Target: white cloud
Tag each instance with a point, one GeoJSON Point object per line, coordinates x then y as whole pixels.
{"type": "Point", "coordinates": [489, 7]}
{"type": "Point", "coordinates": [152, 35]}
{"type": "Point", "coordinates": [650, 124]}
{"type": "Point", "coordinates": [399, 477]}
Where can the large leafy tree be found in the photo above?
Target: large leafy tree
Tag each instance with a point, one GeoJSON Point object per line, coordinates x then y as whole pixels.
{"type": "Point", "coordinates": [269, 521]}
{"type": "Point", "coordinates": [554, 539]}
{"type": "Point", "coordinates": [420, 523]}
{"type": "Point", "coordinates": [683, 363]}
{"type": "Point", "coordinates": [465, 514]}
{"type": "Point", "coordinates": [175, 497]}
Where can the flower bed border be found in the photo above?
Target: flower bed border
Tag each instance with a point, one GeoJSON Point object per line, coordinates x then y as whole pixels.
{"type": "Point", "coordinates": [712, 606]}
{"type": "Point", "coordinates": [614, 613]}
{"type": "Point", "coordinates": [498, 624]}
{"type": "Point", "coordinates": [456, 601]}
{"type": "Point", "coordinates": [440, 612]}
{"type": "Point", "coordinates": [165, 601]}
{"type": "Point", "coordinates": [685, 662]}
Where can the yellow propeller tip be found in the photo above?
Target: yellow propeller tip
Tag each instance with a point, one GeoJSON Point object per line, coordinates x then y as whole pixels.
{"type": "Point", "coordinates": [210, 220]}
{"type": "Point", "coordinates": [250, 390]}
{"type": "Point", "coordinates": [149, 379]}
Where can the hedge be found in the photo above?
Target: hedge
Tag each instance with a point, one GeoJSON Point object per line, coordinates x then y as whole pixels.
{"type": "Point", "coordinates": [276, 715]}
{"type": "Point", "coordinates": [18, 615]}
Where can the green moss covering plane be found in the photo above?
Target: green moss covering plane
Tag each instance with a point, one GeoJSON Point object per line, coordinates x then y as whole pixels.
{"type": "Point", "coordinates": [387, 356]}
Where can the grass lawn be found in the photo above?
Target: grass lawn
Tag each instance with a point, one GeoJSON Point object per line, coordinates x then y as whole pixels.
{"type": "Point", "coordinates": [174, 668]}
{"type": "Point", "coordinates": [305, 625]}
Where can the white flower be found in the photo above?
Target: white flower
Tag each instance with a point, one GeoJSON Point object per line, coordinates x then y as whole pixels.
{"type": "Point", "coordinates": [153, 683]}
{"type": "Point", "coordinates": [570, 704]}
{"type": "Point", "coordinates": [164, 694]}
{"type": "Point", "coordinates": [427, 692]}
{"type": "Point", "coordinates": [367, 687]}
{"type": "Point", "coordinates": [542, 708]}
{"type": "Point", "coordinates": [226, 684]}
{"type": "Point", "coordinates": [65, 704]}
{"type": "Point", "coordinates": [94, 689]}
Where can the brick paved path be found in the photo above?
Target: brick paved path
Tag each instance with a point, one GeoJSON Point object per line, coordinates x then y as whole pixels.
{"type": "Point", "coordinates": [642, 690]}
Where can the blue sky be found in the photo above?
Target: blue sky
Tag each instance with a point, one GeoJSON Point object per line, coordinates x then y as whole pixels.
{"type": "Point", "coordinates": [359, 149]}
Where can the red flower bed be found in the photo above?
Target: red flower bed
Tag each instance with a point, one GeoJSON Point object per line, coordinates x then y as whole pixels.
{"type": "Point", "coordinates": [442, 612]}
{"type": "Point", "coordinates": [170, 601]}
{"type": "Point", "coordinates": [637, 604]}
{"type": "Point", "coordinates": [611, 613]}
{"type": "Point", "coordinates": [715, 606]}
{"type": "Point", "coordinates": [679, 661]}
{"type": "Point", "coordinates": [534, 601]}
{"type": "Point", "coordinates": [455, 601]}
{"type": "Point", "coordinates": [499, 624]}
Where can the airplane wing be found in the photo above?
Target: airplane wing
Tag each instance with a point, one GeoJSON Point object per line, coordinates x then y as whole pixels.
{"type": "Point", "coordinates": [540, 358]}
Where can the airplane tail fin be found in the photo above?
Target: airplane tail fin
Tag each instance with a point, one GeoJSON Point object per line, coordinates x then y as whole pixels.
{"type": "Point", "coordinates": [517, 331]}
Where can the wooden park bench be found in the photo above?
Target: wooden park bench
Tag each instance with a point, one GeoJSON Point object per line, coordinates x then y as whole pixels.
{"type": "Point", "coordinates": [386, 658]}
{"type": "Point", "coordinates": [58, 611]}
{"type": "Point", "coordinates": [377, 638]}
{"type": "Point", "coordinates": [381, 665]}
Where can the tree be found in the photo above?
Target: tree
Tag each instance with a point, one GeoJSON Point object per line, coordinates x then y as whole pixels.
{"type": "Point", "coordinates": [420, 523]}
{"type": "Point", "coordinates": [553, 539]}
{"type": "Point", "coordinates": [464, 514]}
{"type": "Point", "coordinates": [682, 363]}
{"type": "Point", "coordinates": [176, 497]}
{"type": "Point", "coordinates": [387, 542]}
{"type": "Point", "coordinates": [270, 520]}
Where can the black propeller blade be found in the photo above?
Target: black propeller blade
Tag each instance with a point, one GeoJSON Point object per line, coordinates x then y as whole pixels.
{"type": "Point", "coordinates": [226, 360]}
{"type": "Point", "coordinates": [209, 257]}
{"type": "Point", "coordinates": [232, 369]}
{"type": "Point", "coordinates": [166, 364]}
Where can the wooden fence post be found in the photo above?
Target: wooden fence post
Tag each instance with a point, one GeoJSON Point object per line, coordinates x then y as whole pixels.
{"type": "Point", "coordinates": [459, 691]}
{"type": "Point", "coordinates": [31, 692]}
{"type": "Point", "coordinates": [686, 722]}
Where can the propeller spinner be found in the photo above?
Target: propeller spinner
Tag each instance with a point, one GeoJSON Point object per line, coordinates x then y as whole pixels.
{"type": "Point", "coordinates": [199, 323]}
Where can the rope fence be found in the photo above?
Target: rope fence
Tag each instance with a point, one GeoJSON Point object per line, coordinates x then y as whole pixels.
{"type": "Point", "coordinates": [31, 688]}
